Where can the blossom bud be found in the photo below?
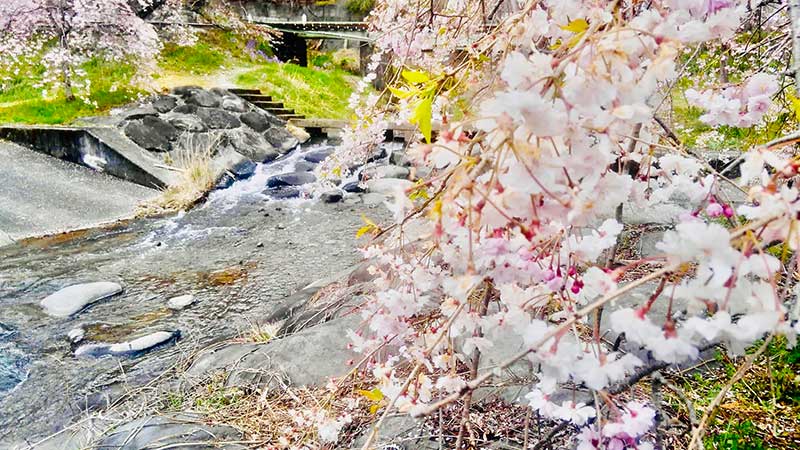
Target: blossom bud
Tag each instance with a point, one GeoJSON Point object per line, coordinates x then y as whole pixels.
{"type": "Point", "coordinates": [714, 209]}
{"type": "Point", "coordinates": [728, 211]}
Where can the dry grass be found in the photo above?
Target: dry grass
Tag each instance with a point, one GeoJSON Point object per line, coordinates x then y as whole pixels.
{"type": "Point", "coordinates": [196, 180]}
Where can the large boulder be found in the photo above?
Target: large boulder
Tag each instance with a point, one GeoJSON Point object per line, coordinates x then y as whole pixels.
{"type": "Point", "coordinates": [165, 103]}
{"type": "Point", "coordinates": [152, 133]}
{"type": "Point", "coordinates": [256, 121]}
{"type": "Point", "coordinates": [217, 119]}
{"type": "Point", "coordinates": [252, 145]}
{"type": "Point", "coordinates": [384, 172]}
{"type": "Point", "coordinates": [317, 156]}
{"type": "Point", "coordinates": [388, 186]}
{"type": "Point", "coordinates": [187, 122]}
{"type": "Point", "coordinates": [307, 358]}
{"type": "Point", "coordinates": [202, 98]}
{"type": "Point", "coordinates": [281, 139]}
{"type": "Point", "coordinates": [291, 179]}
{"type": "Point", "coordinates": [234, 104]}
{"type": "Point", "coordinates": [73, 299]}
{"type": "Point", "coordinates": [185, 109]}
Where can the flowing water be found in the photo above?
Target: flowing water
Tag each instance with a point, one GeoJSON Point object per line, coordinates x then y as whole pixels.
{"type": "Point", "coordinates": [236, 254]}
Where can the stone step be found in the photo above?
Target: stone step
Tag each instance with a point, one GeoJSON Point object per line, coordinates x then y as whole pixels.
{"type": "Point", "coordinates": [239, 91]}
{"type": "Point", "coordinates": [256, 97]}
{"type": "Point", "coordinates": [279, 111]}
{"type": "Point", "coordinates": [268, 105]}
{"type": "Point", "coordinates": [291, 116]}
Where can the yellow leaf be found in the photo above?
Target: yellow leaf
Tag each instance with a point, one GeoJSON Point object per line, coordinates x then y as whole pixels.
{"type": "Point", "coordinates": [794, 106]}
{"type": "Point", "coordinates": [401, 93]}
{"type": "Point", "coordinates": [436, 210]}
{"type": "Point", "coordinates": [422, 117]}
{"type": "Point", "coordinates": [374, 408]}
{"type": "Point", "coordinates": [370, 227]}
{"type": "Point", "coordinates": [337, 171]}
{"type": "Point", "coordinates": [363, 230]}
{"type": "Point", "coordinates": [374, 395]}
{"type": "Point", "coordinates": [415, 76]}
{"type": "Point", "coordinates": [576, 26]}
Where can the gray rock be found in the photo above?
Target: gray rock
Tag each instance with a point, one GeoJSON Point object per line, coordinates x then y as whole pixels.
{"type": "Point", "coordinates": [291, 179]}
{"type": "Point", "coordinates": [388, 186]}
{"type": "Point", "coordinates": [165, 103]}
{"type": "Point", "coordinates": [131, 348]}
{"type": "Point", "coordinates": [152, 133]}
{"type": "Point", "coordinates": [222, 92]}
{"type": "Point", "coordinates": [353, 187]}
{"type": "Point", "coordinates": [333, 196]}
{"type": "Point", "coordinates": [317, 156]}
{"type": "Point", "coordinates": [372, 199]}
{"type": "Point", "coordinates": [164, 431]}
{"type": "Point", "coordinates": [217, 119]}
{"type": "Point", "coordinates": [202, 98]}
{"type": "Point", "coordinates": [73, 299]}
{"type": "Point", "coordinates": [304, 166]}
{"type": "Point", "coordinates": [184, 91]}
{"type": "Point", "coordinates": [180, 302]}
{"type": "Point", "coordinates": [647, 243]}
{"type": "Point", "coordinates": [255, 121]}
{"type": "Point", "coordinates": [185, 109]}
{"type": "Point", "coordinates": [283, 192]}
{"type": "Point", "coordinates": [399, 159]}
{"type": "Point", "coordinates": [252, 145]}
{"type": "Point", "coordinates": [234, 104]}
{"type": "Point", "coordinates": [376, 172]}
{"type": "Point", "coordinates": [76, 335]}
{"type": "Point", "coordinates": [187, 122]}
{"type": "Point", "coordinates": [323, 349]}
{"type": "Point", "coordinates": [401, 430]}
{"type": "Point", "coordinates": [664, 214]}
{"type": "Point", "coordinates": [281, 139]}
{"type": "Point", "coordinates": [244, 169]}
{"type": "Point", "coordinates": [138, 113]}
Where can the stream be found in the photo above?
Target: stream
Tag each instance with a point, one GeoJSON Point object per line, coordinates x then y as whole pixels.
{"type": "Point", "coordinates": [237, 253]}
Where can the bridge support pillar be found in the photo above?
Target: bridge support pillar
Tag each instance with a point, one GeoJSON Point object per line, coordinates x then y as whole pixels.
{"type": "Point", "coordinates": [365, 51]}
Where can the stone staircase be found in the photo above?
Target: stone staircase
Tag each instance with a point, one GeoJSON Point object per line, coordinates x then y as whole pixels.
{"type": "Point", "coordinates": [267, 103]}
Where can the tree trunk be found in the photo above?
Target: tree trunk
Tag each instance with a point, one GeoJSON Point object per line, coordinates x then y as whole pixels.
{"type": "Point", "coordinates": [794, 11]}
{"type": "Point", "coordinates": [63, 41]}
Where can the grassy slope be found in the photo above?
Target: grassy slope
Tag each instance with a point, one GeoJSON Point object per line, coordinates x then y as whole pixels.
{"type": "Point", "coordinates": [213, 60]}
{"type": "Point", "coordinates": [312, 92]}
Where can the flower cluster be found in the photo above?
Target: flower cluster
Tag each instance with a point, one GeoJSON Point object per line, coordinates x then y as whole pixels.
{"type": "Point", "coordinates": [737, 106]}
{"type": "Point", "coordinates": [513, 247]}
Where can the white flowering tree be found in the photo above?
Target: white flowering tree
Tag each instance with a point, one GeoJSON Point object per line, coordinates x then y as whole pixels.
{"type": "Point", "coordinates": [64, 34]}
{"type": "Point", "coordinates": [548, 116]}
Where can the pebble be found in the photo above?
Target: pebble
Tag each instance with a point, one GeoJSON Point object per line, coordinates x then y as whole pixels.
{"type": "Point", "coordinates": [181, 302]}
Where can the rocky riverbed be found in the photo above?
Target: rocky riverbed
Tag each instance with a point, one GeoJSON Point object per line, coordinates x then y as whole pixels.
{"type": "Point", "coordinates": [238, 256]}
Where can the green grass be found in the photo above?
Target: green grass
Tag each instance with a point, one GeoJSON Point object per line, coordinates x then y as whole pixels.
{"type": "Point", "coordinates": [22, 102]}
{"type": "Point", "coordinates": [314, 93]}
{"type": "Point", "coordinates": [761, 411]}
{"type": "Point", "coordinates": [213, 50]}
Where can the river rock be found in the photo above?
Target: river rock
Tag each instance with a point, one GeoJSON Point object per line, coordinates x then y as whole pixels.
{"type": "Point", "coordinates": [151, 133]}
{"type": "Point", "coordinates": [304, 166]}
{"type": "Point", "coordinates": [130, 348]}
{"type": "Point", "coordinates": [399, 159]}
{"type": "Point", "coordinates": [384, 172]}
{"type": "Point", "coordinates": [165, 103]}
{"type": "Point", "coordinates": [183, 431]}
{"type": "Point", "coordinates": [282, 193]}
{"type": "Point", "coordinates": [291, 179]}
{"type": "Point", "coordinates": [234, 104]}
{"type": "Point", "coordinates": [244, 169]}
{"type": "Point", "coordinates": [187, 122]}
{"type": "Point", "coordinates": [202, 98]}
{"type": "Point", "coordinates": [317, 156]}
{"type": "Point", "coordinates": [76, 335]}
{"type": "Point", "coordinates": [388, 186]}
{"type": "Point", "coordinates": [281, 139]}
{"type": "Point", "coordinates": [217, 119]}
{"type": "Point", "coordinates": [323, 350]}
{"type": "Point", "coordinates": [353, 187]}
{"type": "Point", "coordinates": [252, 145]}
{"type": "Point", "coordinates": [255, 120]}
{"type": "Point", "coordinates": [72, 299]}
{"type": "Point", "coordinates": [372, 198]}
{"type": "Point", "coordinates": [185, 109]}
{"type": "Point", "coordinates": [180, 302]}
{"type": "Point", "coordinates": [333, 196]}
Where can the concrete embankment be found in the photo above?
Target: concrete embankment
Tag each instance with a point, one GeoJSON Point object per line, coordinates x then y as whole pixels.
{"type": "Point", "coordinates": [41, 195]}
